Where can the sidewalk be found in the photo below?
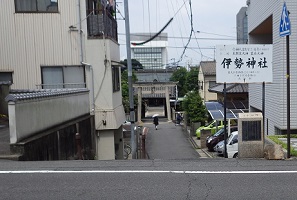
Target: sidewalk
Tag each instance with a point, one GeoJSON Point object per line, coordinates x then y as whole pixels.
{"type": "Point", "coordinates": [204, 153]}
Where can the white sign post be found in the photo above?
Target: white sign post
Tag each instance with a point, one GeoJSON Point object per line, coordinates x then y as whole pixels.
{"type": "Point", "coordinates": [247, 63]}
{"type": "Point", "coordinates": [285, 30]}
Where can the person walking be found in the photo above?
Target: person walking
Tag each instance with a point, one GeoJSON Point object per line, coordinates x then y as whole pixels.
{"type": "Point", "coordinates": [178, 119]}
{"type": "Point", "coordinates": [156, 122]}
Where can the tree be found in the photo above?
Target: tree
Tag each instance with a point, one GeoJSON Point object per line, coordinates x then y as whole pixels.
{"type": "Point", "coordinates": [180, 76]}
{"type": "Point", "coordinates": [125, 90]}
{"type": "Point", "coordinates": [194, 107]}
{"type": "Point", "coordinates": [192, 80]}
{"type": "Point", "coordinates": [135, 64]}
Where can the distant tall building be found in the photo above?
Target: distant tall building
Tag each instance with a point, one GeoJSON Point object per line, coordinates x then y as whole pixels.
{"type": "Point", "coordinates": [242, 26]}
{"type": "Point", "coordinates": [152, 55]}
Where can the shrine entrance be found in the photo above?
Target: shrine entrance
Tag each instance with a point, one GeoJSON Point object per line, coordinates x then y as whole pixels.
{"type": "Point", "coordinates": [154, 94]}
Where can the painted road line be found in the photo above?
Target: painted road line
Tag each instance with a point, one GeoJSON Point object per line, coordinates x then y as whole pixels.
{"type": "Point", "coordinates": [141, 171]}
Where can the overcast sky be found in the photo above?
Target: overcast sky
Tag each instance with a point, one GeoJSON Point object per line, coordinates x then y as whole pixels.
{"type": "Point", "coordinates": [214, 19]}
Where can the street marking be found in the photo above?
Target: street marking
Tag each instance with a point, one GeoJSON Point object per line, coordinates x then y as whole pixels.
{"type": "Point", "coordinates": [143, 171]}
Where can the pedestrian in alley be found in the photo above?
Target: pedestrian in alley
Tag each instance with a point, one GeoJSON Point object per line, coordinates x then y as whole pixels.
{"type": "Point", "coordinates": [156, 122]}
{"type": "Point", "coordinates": [178, 119]}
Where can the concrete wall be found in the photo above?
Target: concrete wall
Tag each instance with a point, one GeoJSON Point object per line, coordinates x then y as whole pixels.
{"type": "Point", "coordinates": [59, 143]}
{"type": "Point", "coordinates": [27, 117]}
{"type": "Point", "coordinates": [105, 143]}
{"type": "Point", "coordinates": [250, 148]}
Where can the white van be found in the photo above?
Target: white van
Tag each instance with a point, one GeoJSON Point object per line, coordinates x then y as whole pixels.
{"type": "Point", "coordinates": [232, 145]}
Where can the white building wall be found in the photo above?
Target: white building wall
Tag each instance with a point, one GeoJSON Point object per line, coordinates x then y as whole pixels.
{"type": "Point", "coordinates": [105, 142]}
{"type": "Point", "coordinates": [276, 101]}
{"type": "Point", "coordinates": [201, 84]}
{"type": "Point", "coordinates": [29, 40]}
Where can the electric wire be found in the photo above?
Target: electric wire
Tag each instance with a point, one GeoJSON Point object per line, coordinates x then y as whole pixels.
{"type": "Point", "coordinates": [154, 36]}
{"type": "Point", "coordinates": [184, 37]}
{"type": "Point", "coordinates": [181, 24]}
{"type": "Point", "coordinates": [190, 37]}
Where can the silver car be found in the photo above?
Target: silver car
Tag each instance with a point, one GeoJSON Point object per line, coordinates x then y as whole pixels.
{"type": "Point", "coordinates": [232, 145]}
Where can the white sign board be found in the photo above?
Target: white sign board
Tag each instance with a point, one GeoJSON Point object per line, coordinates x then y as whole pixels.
{"type": "Point", "coordinates": [246, 63]}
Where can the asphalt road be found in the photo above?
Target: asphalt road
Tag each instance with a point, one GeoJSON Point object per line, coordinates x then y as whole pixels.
{"type": "Point", "coordinates": [168, 142]}
{"type": "Point", "coordinates": [149, 179]}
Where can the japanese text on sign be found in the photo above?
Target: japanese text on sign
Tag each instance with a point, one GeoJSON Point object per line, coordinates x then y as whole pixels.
{"type": "Point", "coordinates": [244, 63]}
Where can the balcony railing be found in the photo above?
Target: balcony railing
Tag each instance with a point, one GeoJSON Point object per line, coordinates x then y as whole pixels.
{"type": "Point", "coordinates": [101, 24]}
{"type": "Point", "coordinates": [62, 85]}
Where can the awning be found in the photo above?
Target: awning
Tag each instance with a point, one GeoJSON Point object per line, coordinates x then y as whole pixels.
{"type": "Point", "coordinates": [216, 109]}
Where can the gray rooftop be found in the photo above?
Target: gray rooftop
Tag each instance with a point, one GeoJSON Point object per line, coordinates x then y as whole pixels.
{"type": "Point", "coordinates": [208, 67]}
{"type": "Point", "coordinates": [230, 88]}
{"type": "Point", "coordinates": [19, 95]}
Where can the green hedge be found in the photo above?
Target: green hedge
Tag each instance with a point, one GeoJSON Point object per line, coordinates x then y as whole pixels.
{"type": "Point", "coordinates": [275, 138]}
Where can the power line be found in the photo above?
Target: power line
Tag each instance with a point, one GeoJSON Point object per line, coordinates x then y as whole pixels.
{"type": "Point", "coordinates": [216, 34]}
{"type": "Point", "coordinates": [183, 37]}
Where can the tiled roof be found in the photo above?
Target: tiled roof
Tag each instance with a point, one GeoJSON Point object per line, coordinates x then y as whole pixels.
{"type": "Point", "coordinates": [19, 95]}
{"type": "Point", "coordinates": [231, 88]}
{"type": "Point", "coordinates": [208, 67]}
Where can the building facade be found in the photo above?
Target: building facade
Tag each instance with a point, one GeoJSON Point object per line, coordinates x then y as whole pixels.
{"type": "Point", "coordinates": [153, 54]}
{"type": "Point", "coordinates": [263, 27]}
{"type": "Point", "coordinates": [67, 44]}
{"type": "Point", "coordinates": [206, 80]}
{"type": "Point", "coordinates": [242, 26]}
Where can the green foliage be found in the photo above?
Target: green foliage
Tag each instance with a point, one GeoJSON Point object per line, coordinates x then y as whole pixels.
{"type": "Point", "coordinates": [192, 104]}
{"type": "Point", "coordinates": [180, 76]}
{"type": "Point", "coordinates": [135, 64]}
{"type": "Point", "coordinates": [194, 107]}
{"type": "Point", "coordinates": [192, 80]}
{"type": "Point", "coordinates": [275, 139]}
{"type": "Point", "coordinates": [125, 90]}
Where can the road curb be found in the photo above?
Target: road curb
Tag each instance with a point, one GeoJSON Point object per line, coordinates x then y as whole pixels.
{"type": "Point", "coordinates": [198, 149]}
{"type": "Point", "coordinates": [14, 157]}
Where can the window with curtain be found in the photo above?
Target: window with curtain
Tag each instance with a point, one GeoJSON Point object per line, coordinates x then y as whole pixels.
{"type": "Point", "coordinates": [63, 77]}
{"type": "Point", "coordinates": [36, 6]}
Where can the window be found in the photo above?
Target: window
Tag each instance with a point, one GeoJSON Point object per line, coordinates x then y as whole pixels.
{"type": "Point", "coordinates": [6, 77]}
{"type": "Point", "coordinates": [115, 78]}
{"type": "Point", "coordinates": [211, 84]}
{"type": "Point", "coordinates": [63, 77]}
{"type": "Point", "coordinates": [36, 6]}
{"type": "Point", "coordinates": [200, 83]}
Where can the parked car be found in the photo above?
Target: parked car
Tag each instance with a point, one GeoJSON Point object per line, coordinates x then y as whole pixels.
{"type": "Point", "coordinates": [214, 126]}
{"type": "Point", "coordinates": [212, 141]}
{"type": "Point", "coordinates": [232, 146]}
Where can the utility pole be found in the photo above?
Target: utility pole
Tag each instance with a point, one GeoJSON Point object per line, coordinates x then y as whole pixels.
{"type": "Point", "coordinates": [132, 110]}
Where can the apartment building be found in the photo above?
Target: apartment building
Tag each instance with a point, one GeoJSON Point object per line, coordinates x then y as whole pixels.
{"type": "Point", "coordinates": [66, 44]}
{"type": "Point", "coordinates": [264, 19]}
